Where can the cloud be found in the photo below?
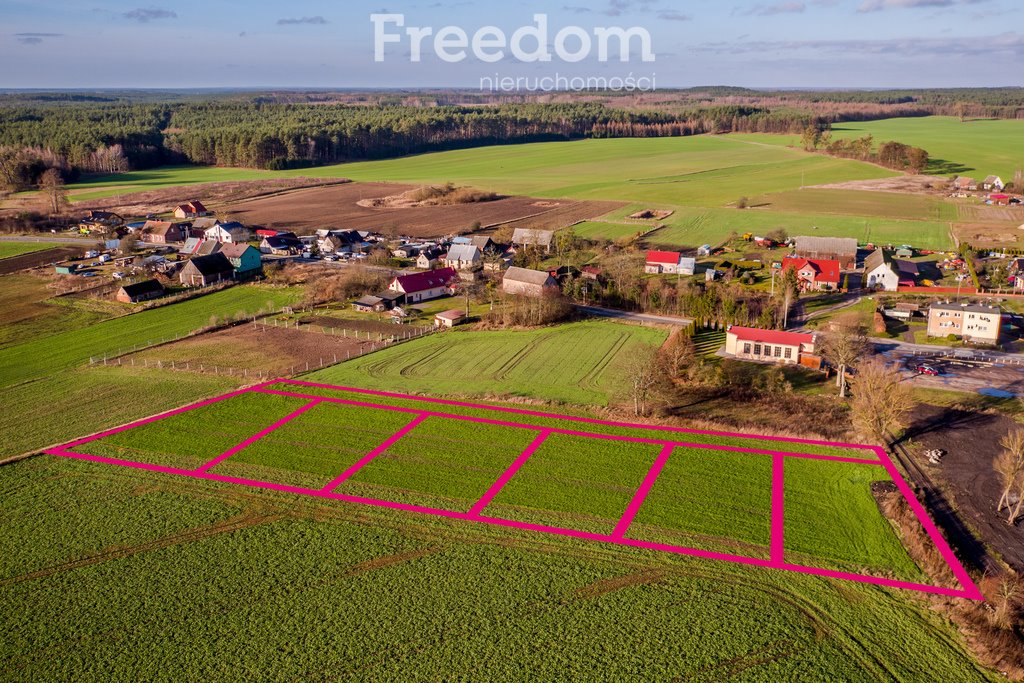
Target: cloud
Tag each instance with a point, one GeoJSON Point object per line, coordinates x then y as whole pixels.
{"type": "Point", "coordinates": [1010, 43]}
{"type": "Point", "coordinates": [316, 21]}
{"type": "Point", "coordinates": [35, 38]}
{"type": "Point", "coordinates": [879, 5]}
{"type": "Point", "coordinates": [777, 8]}
{"type": "Point", "coordinates": [145, 15]}
{"type": "Point", "coordinates": [673, 15]}
{"type": "Point", "coordinates": [616, 8]}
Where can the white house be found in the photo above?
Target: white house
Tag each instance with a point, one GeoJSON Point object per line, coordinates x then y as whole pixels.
{"type": "Point", "coordinates": [670, 262]}
{"type": "Point", "coordinates": [463, 257]}
{"type": "Point", "coordinates": [228, 233]}
{"type": "Point", "coordinates": [993, 182]}
{"type": "Point", "coordinates": [432, 284]}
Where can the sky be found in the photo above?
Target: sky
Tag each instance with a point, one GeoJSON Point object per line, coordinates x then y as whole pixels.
{"type": "Point", "coordinates": [55, 44]}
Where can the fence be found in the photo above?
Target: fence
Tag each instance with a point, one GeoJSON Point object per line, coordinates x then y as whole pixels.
{"type": "Point", "coordinates": [402, 333]}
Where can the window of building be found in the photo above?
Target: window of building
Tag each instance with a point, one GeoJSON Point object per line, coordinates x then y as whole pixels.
{"type": "Point", "coordinates": [746, 349]}
{"type": "Point", "coordinates": [757, 349]}
{"type": "Point", "coordinates": [789, 354]}
{"type": "Point", "coordinates": [778, 352]}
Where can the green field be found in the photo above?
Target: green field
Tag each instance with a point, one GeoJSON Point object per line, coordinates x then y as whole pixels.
{"type": "Point", "coordinates": [696, 176]}
{"type": "Point", "coordinates": [577, 363]}
{"type": "Point", "coordinates": [9, 249]}
{"type": "Point", "coordinates": [153, 577]}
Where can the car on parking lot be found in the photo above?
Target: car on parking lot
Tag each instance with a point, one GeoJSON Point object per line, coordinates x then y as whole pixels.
{"type": "Point", "coordinates": [927, 369]}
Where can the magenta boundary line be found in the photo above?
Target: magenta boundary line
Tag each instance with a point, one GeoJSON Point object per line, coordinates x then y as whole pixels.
{"type": "Point", "coordinates": [589, 420]}
{"type": "Point", "coordinates": [778, 543]}
{"type": "Point", "coordinates": [257, 436]}
{"type": "Point", "coordinates": [497, 486]}
{"type": "Point", "coordinates": [641, 493]}
{"type": "Point", "coordinates": [569, 432]}
{"type": "Point", "coordinates": [372, 455]}
{"type": "Point", "coordinates": [970, 593]}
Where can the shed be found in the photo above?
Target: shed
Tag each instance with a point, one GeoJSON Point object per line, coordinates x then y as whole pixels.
{"type": "Point", "coordinates": [140, 291]}
{"type": "Point", "coordinates": [527, 282]}
{"type": "Point", "coordinates": [449, 318]}
{"type": "Point", "coordinates": [207, 270]}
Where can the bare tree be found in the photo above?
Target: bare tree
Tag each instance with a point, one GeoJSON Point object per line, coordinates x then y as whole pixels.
{"type": "Point", "coordinates": [844, 345]}
{"type": "Point", "coordinates": [51, 184]}
{"type": "Point", "coordinates": [1009, 465]}
{"type": "Point", "coordinates": [643, 374]}
{"type": "Point", "coordinates": [881, 400]}
{"type": "Point", "coordinates": [678, 353]}
{"type": "Point", "coordinates": [1008, 598]}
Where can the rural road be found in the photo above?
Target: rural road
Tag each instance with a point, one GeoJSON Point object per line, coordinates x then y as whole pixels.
{"type": "Point", "coordinates": [637, 317]}
{"type": "Point", "coordinates": [54, 239]}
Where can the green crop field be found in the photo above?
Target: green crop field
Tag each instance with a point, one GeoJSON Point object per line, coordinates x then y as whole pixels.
{"type": "Point", "coordinates": [575, 363]}
{"type": "Point", "coordinates": [9, 249]}
{"type": "Point", "coordinates": [159, 578]}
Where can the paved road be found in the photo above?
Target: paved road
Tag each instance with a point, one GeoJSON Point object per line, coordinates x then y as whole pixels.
{"type": "Point", "coordinates": [638, 317]}
{"type": "Point", "coordinates": [799, 317]}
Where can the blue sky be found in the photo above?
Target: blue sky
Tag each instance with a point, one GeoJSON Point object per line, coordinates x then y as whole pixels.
{"type": "Point", "coordinates": [303, 43]}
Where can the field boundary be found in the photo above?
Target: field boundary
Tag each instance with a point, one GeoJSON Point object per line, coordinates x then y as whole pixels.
{"type": "Point", "coordinates": [477, 514]}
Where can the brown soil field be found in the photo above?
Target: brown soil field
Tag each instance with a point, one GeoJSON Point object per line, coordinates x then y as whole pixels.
{"type": "Point", "coordinates": [217, 197]}
{"type": "Point", "coordinates": [37, 259]}
{"type": "Point", "coordinates": [915, 184]}
{"type": "Point", "coordinates": [371, 326]}
{"type": "Point", "coordinates": [987, 234]}
{"type": "Point", "coordinates": [971, 442]}
{"type": "Point", "coordinates": [338, 206]}
{"type": "Point", "coordinates": [275, 350]}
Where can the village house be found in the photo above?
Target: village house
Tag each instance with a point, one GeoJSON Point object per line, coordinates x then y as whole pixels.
{"type": "Point", "coordinates": [993, 182]}
{"type": "Point", "coordinates": [463, 257]}
{"type": "Point", "coordinates": [975, 323]}
{"type": "Point", "coordinates": [882, 271]}
{"type": "Point", "coordinates": [419, 287]}
{"type": "Point", "coordinates": [140, 291]}
{"type": "Point", "coordinates": [449, 318]}
{"type": "Point", "coordinates": [669, 262]}
{"type": "Point", "coordinates": [281, 246]}
{"type": "Point", "coordinates": [842, 249]}
{"type": "Point", "coordinates": [194, 209]}
{"type": "Point", "coordinates": [245, 259]}
{"type": "Point", "coordinates": [162, 232]}
{"type": "Point", "coordinates": [814, 275]}
{"type": "Point", "coordinates": [771, 346]}
{"type": "Point", "coordinates": [191, 246]}
{"type": "Point", "coordinates": [228, 233]}
{"type": "Point", "coordinates": [526, 282]}
{"type": "Point", "coordinates": [525, 237]}
{"type": "Point", "coordinates": [206, 270]}
{"type": "Point", "coordinates": [428, 258]}
{"type": "Point", "coordinates": [965, 184]}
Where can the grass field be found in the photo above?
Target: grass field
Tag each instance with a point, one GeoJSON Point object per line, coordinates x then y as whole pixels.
{"type": "Point", "coordinates": [577, 363]}
{"type": "Point", "coordinates": [195, 581]}
{"type": "Point", "coordinates": [9, 249]}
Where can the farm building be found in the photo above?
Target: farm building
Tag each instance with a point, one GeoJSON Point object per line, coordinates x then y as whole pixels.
{"type": "Point", "coordinates": [993, 182]}
{"type": "Point", "coordinates": [965, 183]}
{"type": "Point", "coordinates": [814, 275]}
{"type": "Point", "coordinates": [207, 270]}
{"type": "Point", "coordinates": [66, 269]}
{"type": "Point", "coordinates": [483, 243]}
{"type": "Point", "coordinates": [463, 257]}
{"type": "Point", "coordinates": [976, 323]}
{"type": "Point", "coordinates": [449, 318]}
{"type": "Point", "coordinates": [281, 246]}
{"type": "Point", "coordinates": [669, 262]}
{"type": "Point", "coordinates": [245, 259]}
{"type": "Point", "coordinates": [771, 346]}
{"type": "Point", "coordinates": [703, 250]}
{"type": "Point", "coordinates": [999, 199]}
{"type": "Point", "coordinates": [882, 271]}
{"type": "Point", "coordinates": [140, 291]}
{"type": "Point", "coordinates": [527, 282]}
{"type": "Point", "coordinates": [525, 237]}
{"type": "Point", "coordinates": [163, 232]}
{"type": "Point", "coordinates": [194, 209]}
{"type": "Point", "coordinates": [432, 284]}
{"type": "Point", "coordinates": [842, 249]}
{"type": "Point", "coordinates": [228, 233]}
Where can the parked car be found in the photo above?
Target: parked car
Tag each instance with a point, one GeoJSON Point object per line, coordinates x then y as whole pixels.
{"type": "Point", "coordinates": [119, 275]}
{"type": "Point", "coordinates": [927, 369]}
{"type": "Point", "coordinates": [331, 257]}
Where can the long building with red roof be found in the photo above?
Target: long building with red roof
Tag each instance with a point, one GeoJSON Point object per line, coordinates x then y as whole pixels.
{"type": "Point", "coordinates": [770, 346]}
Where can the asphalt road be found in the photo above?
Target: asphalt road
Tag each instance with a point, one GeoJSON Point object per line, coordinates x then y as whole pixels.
{"type": "Point", "coordinates": [637, 317]}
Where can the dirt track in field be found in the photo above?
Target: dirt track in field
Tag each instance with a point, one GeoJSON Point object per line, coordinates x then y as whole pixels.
{"type": "Point", "coordinates": [338, 206]}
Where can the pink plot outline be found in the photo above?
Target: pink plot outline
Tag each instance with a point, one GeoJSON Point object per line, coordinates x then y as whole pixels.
{"type": "Point", "coordinates": [618, 537]}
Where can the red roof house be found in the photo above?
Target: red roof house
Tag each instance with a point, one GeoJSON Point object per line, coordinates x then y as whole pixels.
{"type": "Point", "coordinates": [432, 284]}
{"type": "Point", "coordinates": [814, 274]}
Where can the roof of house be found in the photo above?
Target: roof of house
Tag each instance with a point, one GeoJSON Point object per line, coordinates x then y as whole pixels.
{"type": "Point", "coordinates": [463, 252]}
{"type": "Point", "coordinates": [963, 181]}
{"type": "Point", "coordinates": [969, 307]}
{"type": "Point", "coordinates": [368, 300]}
{"type": "Point", "coordinates": [163, 229]}
{"type": "Point", "coordinates": [825, 270]}
{"type": "Point", "coordinates": [454, 314]}
{"type": "Point", "coordinates": [282, 242]}
{"type": "Point", "coordinates": [207, 247]}
{"type": "Point", "coordinates": [191, 245]}
{"type": "Point", "coordinates": [212, 264]}
{"type": "Point", "coordinates": [827, 245]}
{"type": "Point", "coordinates": [752, 334]}
{"type": "Point", "coordinates": [204, 223]}
{"type": "Point", "coordinates": [527, 276]}
{"type": "Point", "coordinates": [532, 236]}
{"type": "Point", "coordinates": [663, 257]}
{"type": "Point", "coordinates": [143, 288]}
{"type": "Point", "coordinates": [877, 258]}
{"type": "Point", "coordinates": [993, 178]}
{"type": "Point", "coordinates": [193, 207]}
{"type": "Point", "coordinates": [236, 250]}
{"type": "Point", "coordinates": [481, 242]}
{"type": "Point", "coordinates": [420, 282]}
{"type": "Point", "coordinates": [157, 226]}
